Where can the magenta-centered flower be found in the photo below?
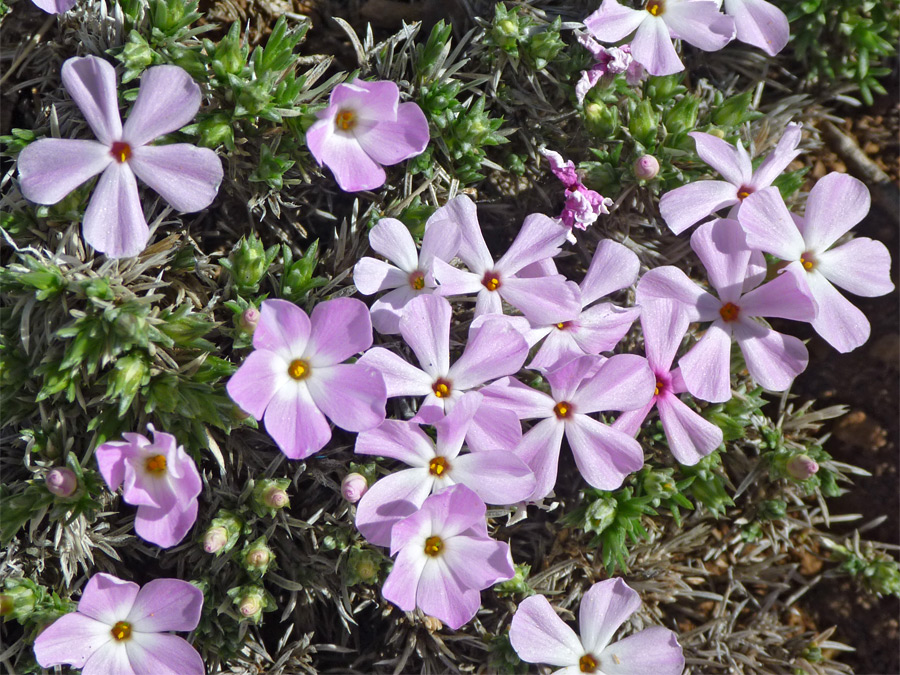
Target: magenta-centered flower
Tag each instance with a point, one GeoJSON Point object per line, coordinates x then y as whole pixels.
{"type": "Point", "coordinates": [364, 127]}
{"type": "Point", "coordinates": [773, 359]}
{"type": "Point", "coordinates": [160, 478]}
{"type": "Point", "coordinates": [296, 377]}
{"type": "Point", "coordinates": [119, 629]}
{"type": "Point", "coordinates": [186, 176]}
{"type": "Point", "coordinates": [698, 22]}
{"type": "Point", "coordinates": [539, 636]}
{"type": "Point", "coordinates": [862, 266]}
{"type": "Point", "coordinates": [691, 203]}
{"type": "Point", "coordinates": [445, 558]}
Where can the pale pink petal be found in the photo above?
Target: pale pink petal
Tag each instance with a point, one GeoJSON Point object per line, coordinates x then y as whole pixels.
{"type": "Point", "coordinates": [111, 462]}
{"type": "Point", "coordinates": [295, 423]}
{"type": "Point", "coordinates": [110, 658]}
{"type": "Point", "coordinates": [91, 82]}
{"type": "Point", "coordinates": [613, 22]}
{"type": "Point", "coordinates": [722, 248]}
{"type": "Point", "coordinates": [493, 429]}
{"type": "Point", "coordinates": [510, 394]}
{"type": "Point", "coordinates": [371, 276]}
{"type": "Point", "coordinates": [352, 167]}
{"type": "Point", "coordinates": [603, 609]}
{"type": "Point", "coordinates": [861, 266]}
{"type": "Point", "coordinates": [254, 384]}
{"type": "Point", "coordinates": [690, 436]}
{"type": "Point", "coordinates": [401, 378]}
{"type": "Point", "coordinates": [454, 281]}
{"type": "Point", "coordinates": [283, 328]}
{"type": "Point", "coordinates": [55, 6]}
{"type": "Point", "coordinates": [165, 525]}
{"type": "Point", "coordinates": [604, 456]}
{"type": "Point", "coordinates": [777, 160]}
{"type": "Point", "coordinates": [691, 203]}
{"type": "Point", "coordinates": [787, 296]}
{"type": "Point", "coordinates": [623, 382]}
{"type": "Point", "coordinates": [540, 237]}
{"type": "Point", "coordinates": [350, 394]}
{"type": "Point", "coordinates": [652, 650]}
{"type": "Point", "coordinates": [426, 328]}
{"type": "Point", "coordinates": [452, 429]}
{"type": "Point", "coordinates": [167, 100]}
{"type": "Point", "coordinates": [163, 654]}
{"type": "Point", "coordinates": [456, 510]}
{"type": "Point", "coordinates": [402, 583]}
{"type": "Point", "coordinates": [186, 176]}
{"type": "Point", "coordinates": [72, 639]}
{"type": "Point", "coordinates": [478, 563]}
{"type": "Point", "coordinates": [670, 283]}
{"type": "Point", "coordinates": [387, 310]}
{"type": "Point", "coordinates": [495, 351]}
{"type": "Point", "coordinates": [664, 323]}
{"type": "Point", "coordinates": [487, 303]}
{"type": "Point", "coordinates": [699, 23]}
{"type": "Point", "coordinates": [565, 380]}
{"type": "Point", "coordinates": [706, 368]}
{"type": "Point", "coordinates": [652, 47]}
{"type": "Point", "coordinates": [839, 321]}
{"type": "Point", "coordinates": [542, 300]}
{"type": "Point", "coordinates": [769, 226]}
{"type": "Point", "coordinates": [114, 221]}
{"type": "Point", "coordinates": [390, 500]}
{"type": "Point", "coordinates": [389, 142]}
{"type": "Point", "coordinates": [107, 599]}
{"type": "Point", "coordinates": [539, 449]}
{"type": "Point", "coordinates": [601, 327]}
{"type": "Point", "coordinates": [630, 421]}
{"type": "Point", "coordinates": [441, 595]}
{"type": "Point", "coordinates": [733, 165]}
{"type": "Point", "coordinates": [340, 328]}
{"type": "Point", "coordinates": [558, 348]}
{"type": "Point", "coordinates": [835, 204]}
{"type": "Point", "coordinates": [392, 239]}
{"type": "Point", "coordinates": [757, 269]}
{"type": "Point", "coordinates": [612, 268]}
{"type": "Point", "coordinates": [441, 240]}
{"type": "Point", "coordinates": [541, 268]}
{"type": "Point", "coordinates": [398, 440]}
{"type": "Point", "coordinates": [166, 604]}
{"type": "Point", "coordinates": [539, 636]}
{"type": "Point", "coordinates": [372, 101]}
{"type": "Point", "coordinates": [773, 359]}
{"type": "Point", "coordinates": [760, 24]}
{"type": "Point", "coordinates": [473, 251]}
{"type": "Point", "coordinates": [497, 476]}
{"type": "Point", "coordinates": [51, 168]}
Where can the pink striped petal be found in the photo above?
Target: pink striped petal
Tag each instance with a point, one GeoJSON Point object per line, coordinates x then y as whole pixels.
{"type": "Point", "coordinates": [691, 203]}
{"type": "Point", "coordinates": [539, 636]}
{"type": "Point", "coordinates": [566, 380]}
{"type": "Point", "coordinates": [706, 368]}
{"type": "Point", "coordinates": [390, 500]}
{"type": "Point", "coordinates": [540, 237]}
{"type": "Point", "coordinates": [690, 436]}
{"type": "Point", "coordinates": [773, 359]}
{"type": "Point", "coordinates": [166, 604]}
{"type": "Point", "coordinates": [700, 23]}
{"type": "Point", "coordinates": [163, 654]}
{"type": "Point", "coordinates": [613, 22]}
{"type": "Point", "coordinates": [510, 394]}
{"type": "Point", "coordinates": [114, 221]}
{"type": "Point", "coordinates": [604, 608]}
{"type": "Point", "coordinates": [862, 266]}
{"type": "Point", "coordinates": [604, 456]}
{"type": "Point", "coordinates": [652, 47]}
{"type": "Point", "coordinates": [630, 421]}
{"type": "Point", "coordinates": [390, 142]}
{"type": "Point", "coordinates": [836, 203]}
{"type": "Point", "coordinates": [351, 395]}
{"type": "Point", "coordinates": [91, 82]}
{"type": "Point", "coordinates": [777, 160]}
{"type": "Point", "coordinates": [543, 300]}
{"type": "Point", "coordinates": [493, 429]}
{"type": "Point", "coordinates": [72, 639]}
{"type": "Point", "coordinates": [612, 268]}
{"type": "Point", "coordinates": [664, 323]}
{"type": "Point", "coordinates": [283, 328]}
{"type": "Point", "coordinates": [107, 598]}
{"type": "Point", "coordinates": [339, 329]}
{"type": "Point", "coordinates": [168, 99]}
{"type": "Point", "coordinates": [558, 348]}
{"type": "Point", "coordinates": [652, 650]}
{"type": "Point", "coordinates": [295, 423]}
{"type": "Point", "coordinates": [426, 328]}
{"type": "Point", "coordinates": [769, 226]}
{"type": "Point", "coordinates": [839, 321]}
{"type": "Point", "coordinates": [186, 176]}
{"type": "Point", "coordinates": [722, 248]}
{"type": "Point", "coordinates": [759, 23]}
{"type": "Point", "coordinates": [51, 168]}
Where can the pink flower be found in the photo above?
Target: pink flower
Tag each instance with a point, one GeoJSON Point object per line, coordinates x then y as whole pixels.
{"type": "Point", "coordinates": [296, 377]}
{"type": "Point", "coordinates": [589, 384]}
{"type": "Point", "coordinates": [862, 266]}
{"type": "Point", "coordinates": [187, 177]}
{"type": "Point", "coordinates": [608, 61]}
{"type": "Point", "coordinates": [55, 6]}
{"type": "Point", "coordinates": [539, 636]}
{"type": "Point", "coordinates": [160, 478]}
{"type": "Point", "coordinates": [364, 127]}
{"type": "Point", "coordinates": [773, 359]}
{"type": "Point", "coordinates": [583, 206]}
{"type": "Point", "coordinates": [759, 23]}
{"type": "Point", "coordinates": [689, 204]}
{"type": "Point", "coordinates": [690, 437]}
{"type": "Point", "coordinates": [119, 628]}
{"type": "Point", "coordinates": [445, 558]}
{"type": "Point", "coordinates": [411, 274]}
{"type": "Point", "coordinates": [698, 22]}
{"type": "Point", "coordinates": [497, 476]}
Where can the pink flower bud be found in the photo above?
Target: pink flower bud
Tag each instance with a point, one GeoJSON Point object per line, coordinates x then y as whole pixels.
{"type": "Point", "coordinates": [258, 557]}
{"type": "Point", "coordinates": [61, 481]}
{"type": "Point", "coordinates": [353, 487]}
{"type": "Point", "coordinates": [275, 498]}
{"type": "Point", "coordinates": [646, 167]}
{"type": "Point", "coordinates": [249, 319]}
{"type": "Point", "coordinates": [802, 467]}
{"type": "Point", "coordinates": [215, 539]}
{"type": "Point", "coordinates": [249, 605]}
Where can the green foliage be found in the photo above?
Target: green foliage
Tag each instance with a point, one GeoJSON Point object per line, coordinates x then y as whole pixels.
{"type": "Point", "coordinates": [518, 585]}
{"type": "Point", "coordinates": [876, 571]}
{"type": "Point", "coordinates": [248, 263]}
{"type": "Point", "coordinates": [297, 277]}
{"type": "Point", "coordinates": [708, 485]}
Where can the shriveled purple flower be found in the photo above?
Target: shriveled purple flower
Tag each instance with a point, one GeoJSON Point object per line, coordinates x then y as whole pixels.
{"type": "Point", "coordinates": [539, 636]}
{"type": "Point", "coordinates": [55, 6]}
{"type": "Point", "coordinates": [186, 176]}
{"type": "Point", "coordinates": [497, 476]}
{"type": "Point", "coordinates": [759, 23]}
{"type": "Point", "coordinates": [773, 359]}
{"type": "Point", "coordinates": [583, 206]}
{"type": "Point", "coordinates": [589, 384]}
{"type": "Point", "coordinates": [119, 628]}
{"type": "Point", "coordinates": [862, 266]}
{"type": "Point", "coordinates": [159, 477]}
{"type": "Point", "coordinates": [689, 204]}
{"type": "Point", "coordinates": [61, 481]}
{"type": "Point", "coordinates": [364, 127]}
{"type": "Point", "coordinates": [607, 61]}
{"type": "Point", "coordinates": [698, 22]}
{"type": "Point", "coordinates": [445, 558]}
{"type": "Point", "coordinates": [295, 380]}
{"type": "Point", "coordinates": [411, 274]}
{"type": "Point", "coordinates": [494, 349]}
{"type": "Point", "coordinates": [689, 435]}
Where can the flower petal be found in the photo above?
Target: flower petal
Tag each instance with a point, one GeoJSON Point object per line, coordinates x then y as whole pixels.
{"type": "Point", "coordinates": [352, 167]}
{"type": "Point", "coordinates": [91, 82]}
{"type": "Point", "coordinates": [861, 266]}
{"type": "Point", "coordinates": [477, 562]}
{"type": "Point", "coordinates": [835, 204]}
{"type": "Point", "coordinates": [387, 310]}
{"type": "Point", "coordinates": [186, 176]}
{"type": "Point", "coordinates": [165, 525]}
{"type": "Point", "coordinates": [613, 21]}
{"type": "Point", "coordinates": [400, 377]}
{"type": "Point", "coordinates": [454, 281]}
{"type": "Point", "coordinates": [392, 239]}
{"type": "Point", "coordinates": [721, 155]}
{"type": "Point", "coordinates": [769, 226]}
{"type": "Point", "coordinates": [543, 300]}
{"type": "Point", "coordinates": [390, 142]}
{"type": "Point", "coordinates": [72, 639]}
{"type": "Point", "coordinates": [51, 168]}
{"type": "Point", "coordinates": [839, 321]}
{"type": "Point", "coordinates": [630, 421]}
{"type": "Point", "coordinates": [690, 436]}
{"type": "Point", "coordinates": [402, 583]}
{"type": "Point", "coordinates": [456, 510]}
{"type": "Point", "coordinates": [652, 47]}
{"type": "Point", "coordinates": [114, 221]}
{"type": "Point", "coordinates": [372, 276]}
{"type": "Point", "coordinates": [493, 429]}
{"type": "Point", "coordinates": [398, 440]}
{"type": "Point", "coordinates": [623, 382]}
{"type": "Point", "coordinates": [612, 268]}
{"type": "Point", "coordinates": [510, 394]}
{"type": "Point", "coordinates": [166, 604]}
{"type": "Point", "coordinates": [706, 368]}
{"type": "Point", "coordinates": [441, 240]}
{"type": "Point", "coordinates": [539, 636]}
{"type": "Point", "coordinates": [496, 350]}
{"type": "Point", "coordinates": [111, 458]}
{"type": "Point", "coordinates": [539, 449]}
{"type": "Point", "coordinates": [558, 349]}
{"type": "Point", "coordinates": [670, 283]}
{"type": "Point", "coordinates": [773, 359]}
{"type": "Point", "coordinates": [722, 248]}
{"type": "Point", "coordinates": [783, 154]}
{"type": "Point", "coordinates": [691, 203]}
{"type": "Point", "coordinates": [604, 456]}
{"type": "Point", "coordinates": [339, 329]}
{"type": "Point", "coordinates": [390, 500]}
{"type": "Point", "coordinates": [351, 395]}
{"type": "Point", "coordinates": [540, 237]}
{"type": "Point", "coordinates": [759, 23]}
{"type": "Point", "coordinates": [701, 24]}
{"type": "Point", "coordinates": [283, 328]}
{"type": "Point", "coordinates": [295, 422]}
{"type": "Point", "coordinates": [107, 598]}
{"type": "Point", "coordinates": [652, 650]}
{"type": "Point", "coordinates": [167, 100]}
{"type": "Point", "coordinates": [441, 595]}
{"type": "Point", "coordinates": [604, 608]}
{"type": "Point", "coordinates": [426, 328]}
{"type": "Point", "coordinates": [254, 384]}
{"type": "Point", "coordinates": [664, 323]}
{"type": "Point", "coordinates": [110, 658]}
{"type": "Point", "coordinates": [497, 476]}
{"type": "Point", "coordinates": [787, 296]}
{"type": "Point", "coordinates": [163, 654]}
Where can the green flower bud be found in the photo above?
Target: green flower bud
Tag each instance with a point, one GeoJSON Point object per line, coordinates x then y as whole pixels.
{"type": "Point", "coordinates": [257, 557]}
{"type": "Point", "coordinates": [683, 115]}
{"type": "Point", "coordinates": [269, 496]}
{"type": "Point", "coordinates": [216, 130]}
{"type": "Point", "coordinates": [215, 539]}
{"type": "Point", "coordinates": [600, 514]}
{"type": "Point", "coordinates": [363, 567]}
{"type": "Point", "coordinates": [643, 123]}
{"type": "Point", "coordinates": [137, 54]}
{"type": "Point", "coordinates": [733, 111]}
{"type": "Point", "coordinates": [251, 601]}
{"type": "Point", "coordinates": [772, 509]}
{"type": "Point", "coordinates": [228, 56]}
{"type": "Point", "coordinates": [248, 263]}
{"type": "Point", "coordinates": [601, 120]}
{"type": "Point", "coordinates": [660, 484]}
{"type": "Point", "coordinates": [19, 599]}
{"type": "Point", "coordinates": [223, 533]}
{"type": "Point", "coordinates": [802, 467]}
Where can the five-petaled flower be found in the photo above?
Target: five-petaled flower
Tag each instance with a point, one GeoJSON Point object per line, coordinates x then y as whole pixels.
{"type": "Point", "coordinates": [186, 176]}
{"type": "Point", "coordinates": [364, 127]}
{"type": "Point", "coordinates": [160, 478]}
{"type": "Point", "coordinates": [119, 628]}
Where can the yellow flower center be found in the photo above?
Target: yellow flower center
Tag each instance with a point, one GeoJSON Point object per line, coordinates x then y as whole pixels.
{"type": "Point", "coordinates": [729, 311]}
{"type": "Point", "coordinates": [655, 7]}
{"type": "Point", "coordinates": [807, 261]}
{"type": "Point", "coordinates": [299, 369]}
{"type": "Point", "coordinates": [659, 388]}
{"type": "Point", "coordinates": [433, 546]}
{"type": "Point", "coordinates": [491, 281]}
{"type": "Point", "coordinates": [121, 631]}
{"type": "Point", "coordinates": [744, 192]}
{"type": "Point", "coordinates": [563, 410]}
{"type": "Point", "coordinates": [442, 388]}
{"type": "Point", "coordinates": [345, 119]}
{"type": "Point", "coordinates": [438, 466]}
{"type": "Point", "coordinates": [587, 664]}
{"type": "Point", "coordinates": [562, 325]}
{"type": "Point", "coordinates": [120, 151]}
{"type": "Point", "coordinates": [156, 464]}
{"type": "Point", "coordinates": [417, 280]}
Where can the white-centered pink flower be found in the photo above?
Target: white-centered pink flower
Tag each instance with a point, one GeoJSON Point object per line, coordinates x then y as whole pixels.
{"type": "Point", "coordinates": [119, 629]}
{"type": "Point", "coordinates": [861, 266]}
{"type": "Point", "coordinates": [539, 636]}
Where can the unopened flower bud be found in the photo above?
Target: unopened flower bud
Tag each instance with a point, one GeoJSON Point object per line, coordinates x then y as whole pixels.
{"type": "Point", "coordinates": [249, 605]}
{"type": "Point", "coordinates": [646, 167]}
{"type": "Point", "coordinates": [269, 495]}
{"type": "Point", "coordinates": [600, 119]}
{"type": "Point", "coordinates": [802, 467]}
{"type": "Point", "coordinates": [600, 514]}
{"type": "Point", "coordinates": [276, 498]}
{"type": "Point", "coordinates": [353, 487]}
{"type": "Point", "coordinates": [644, 123]}
{"type": "Point", "coordinates": [216, 538]}
{"type": "Point", "coordinates": [62, 481]}
{"type": "Point", "coordinates": [251, 601]}
{"type": "Point", "coordinates": [257, 557]}
{"type": "Point", "coordinates": [248, 319]}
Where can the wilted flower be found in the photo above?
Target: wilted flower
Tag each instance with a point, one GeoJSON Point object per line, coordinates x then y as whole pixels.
{"type": "Point", "coordinates": [353, 487]}
{"type": "Point", "coordinates": [186, 176]}
{"type": "Point", "coordinates": [61, 481]}
{"type": "Point", "coordinates": [160, 478]}
{"type": "Point", "coordinates": [583, 206]}
{"type": "Point", "coordinates": [539, 636]}
{"type": "Point", "coordinates": [759, 23]}
{"type": "Point", "coordinates": [364, 127]}
{"type": "Point", "coordinates": [607, 61]}
{"type": "Point", "coordinates": [296, 377]}
{"type": "Point", "coordinates": [118, 628]}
